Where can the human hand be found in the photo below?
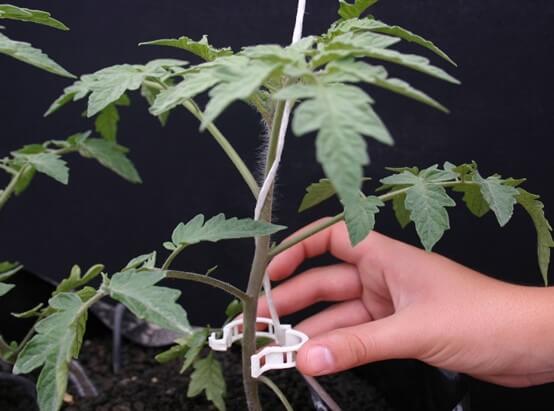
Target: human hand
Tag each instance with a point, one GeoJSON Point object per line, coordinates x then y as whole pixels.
{"type": "Point", "coordinates": [396, 301]}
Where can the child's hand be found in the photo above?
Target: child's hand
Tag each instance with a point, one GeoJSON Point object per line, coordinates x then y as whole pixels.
{"type": "Point", "coordinates": [397, 301]}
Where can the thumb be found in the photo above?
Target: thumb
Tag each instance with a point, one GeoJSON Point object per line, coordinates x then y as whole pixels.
{"type": "Point", "coordinates": [346, 348]}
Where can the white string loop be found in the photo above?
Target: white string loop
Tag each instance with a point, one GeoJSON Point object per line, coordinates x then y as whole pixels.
{"type": "Point", "coordinates": [270, 178]}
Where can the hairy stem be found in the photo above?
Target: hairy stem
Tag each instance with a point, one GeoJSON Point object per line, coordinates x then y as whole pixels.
{"type": "Point", "coordinates": [214, 282]}
{"type": "Point", "coordinates": [257, 273]}
{"type": "Point", "coordinates": [274, 137]}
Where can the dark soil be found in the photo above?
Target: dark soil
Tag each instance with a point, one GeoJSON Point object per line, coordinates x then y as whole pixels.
{"type": "Point", "coordinates": [144, 385]}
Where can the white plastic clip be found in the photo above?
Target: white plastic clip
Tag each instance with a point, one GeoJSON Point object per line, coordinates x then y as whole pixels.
{"type": "Point", "coordinates": [273, 357]}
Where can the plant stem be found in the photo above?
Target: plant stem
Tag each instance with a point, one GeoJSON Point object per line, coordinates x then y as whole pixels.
{"type": "Point", "coordinates": [277, 392]}
{"type": "Point", "coordinates": [274, 137]}
{"type": "Point", "coordinates": [214, 282]}
{"type": "Point", "coordinates": [257, 273]}
{"type": "Point", "coordinates": [10, 188]}
{"type": "Point", "coordinates": [329, 222]}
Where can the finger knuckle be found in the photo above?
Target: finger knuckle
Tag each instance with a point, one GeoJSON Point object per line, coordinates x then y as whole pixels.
{"type": "Point", "coordinates": [359, 348]}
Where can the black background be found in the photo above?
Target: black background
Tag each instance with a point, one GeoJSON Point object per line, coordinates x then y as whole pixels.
{"type": "Point", "coordinates": [501, 116]}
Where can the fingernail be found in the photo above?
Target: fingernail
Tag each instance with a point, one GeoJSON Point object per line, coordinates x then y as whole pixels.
{"type": "Point", "coordinates": [320, 359]}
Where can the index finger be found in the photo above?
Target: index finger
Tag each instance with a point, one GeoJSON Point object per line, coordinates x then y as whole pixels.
{"type": "Point", "coordinates": [333, 239]}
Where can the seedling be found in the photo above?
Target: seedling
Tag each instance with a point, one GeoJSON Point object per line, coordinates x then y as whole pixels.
{"type": "Point", "coordinates": [325, 82]}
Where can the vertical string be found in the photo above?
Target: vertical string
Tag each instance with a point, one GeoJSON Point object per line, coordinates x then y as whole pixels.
{"type": "Point", "coordinates": [270, 178]}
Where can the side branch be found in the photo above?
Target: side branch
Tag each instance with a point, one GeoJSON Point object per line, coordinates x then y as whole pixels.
{"type": "Point", "coordinates": [339, 217]}
{"type": "Point", "coordinates": [214, 282]}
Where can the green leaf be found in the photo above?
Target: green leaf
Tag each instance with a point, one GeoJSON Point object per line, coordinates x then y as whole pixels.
{"type": "Point", "coordinates": [501, 198]}
{"type": "Point", "coordinates": [426, 201]}
{"type": "Point", "coordinates": [86, 293]}
{"type": "Point", "coordinates": [360, 217]}
{"type": "Point", "coordinates": [71, 282]}
{"type": "Point", "coordinates": [240, 78]}
{"type": "Point", "coordinates": [465, 171]}
{"type": "Point", "coordinates": [192, 84]}
{"type": "Point", "coordinates": [373, 45]}
{"type": "Point", "coordinates": [8, 269]}
{"type": "Point", "coordinates": [124, 101]}
{"type": "Point", "coordinates": [75, 280]}
{"type": "Point", "coordinates": [7, 350]}
{"type": "Point", "coordinates": [400, 211]}
{"type": "Point", "coordinates": [47, 163]}
{"type": "Point", "coordinates": [233, 309]}
{"type": "Point", "coordinates": [317, 193]}
{"type": "Point", "coordinates": [106, 122]}
{"type": "Point", "coordinates": [32, 149]}
{"type": "Point", "coordinates": [138, 292]}
{"type": "Point", "coordinates": [142, 261]}
{"type": "Point", "coordinates": [349, 10]}
{"type": "Point", "coordinates": [26, 53]}
{"type": "Point", "coordinates": [196, 342]}
{"type": "Point", "coordinates": [341, 114]}
{"type": "Point", "coordinates": [201, 48]}
{"type": "Point", "coordinates": [5, 288]}
{"type": "Point", "coordinates": [371, 24]}
{"type": "Point", "coordinates": [150, 94]}
{"type": "Point", "coordinates": [112, 156]}
{"type": "Point", "coordinates": [168, 245]}
{"type": "Point", "coordinates": [187, 348]}
{"type": "Point", "coordinates": [7, 266]}
{"type": "Point", "coordinates": [407, 35]}
{"type": "Point", "coordinates": [7, 11]}
{"type": "Point", "coordinates": [173, 353]}
{"type": "Point", "coordinates": [25, 180]}
{"type": "Point", "coordinates": [275, 53]}
{"type": "Point", "coordinates": [208, 377]}
{"type": "Point", "coordinates": [473, 198]}
{"type": "Point", "coordinates": [76, 139]}
{"type": "Point", "coordinates": [535, 208]}
{"type": "Point", "coordinates": [33, 312]}
{"type": "Point", "coordinates": [33, 354]}
{"type": "Point", "coordinates": [377, 75]}
{"type": "Point", "coordinates": [110, 84]}
{"type": "Point", "coordinates": [219, 228]}
{"type": "Point", "coordinates": [56, 342]}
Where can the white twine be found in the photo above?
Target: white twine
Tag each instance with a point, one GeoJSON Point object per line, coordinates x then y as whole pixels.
{"type": "Point", "coordinates": [270, 178]}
